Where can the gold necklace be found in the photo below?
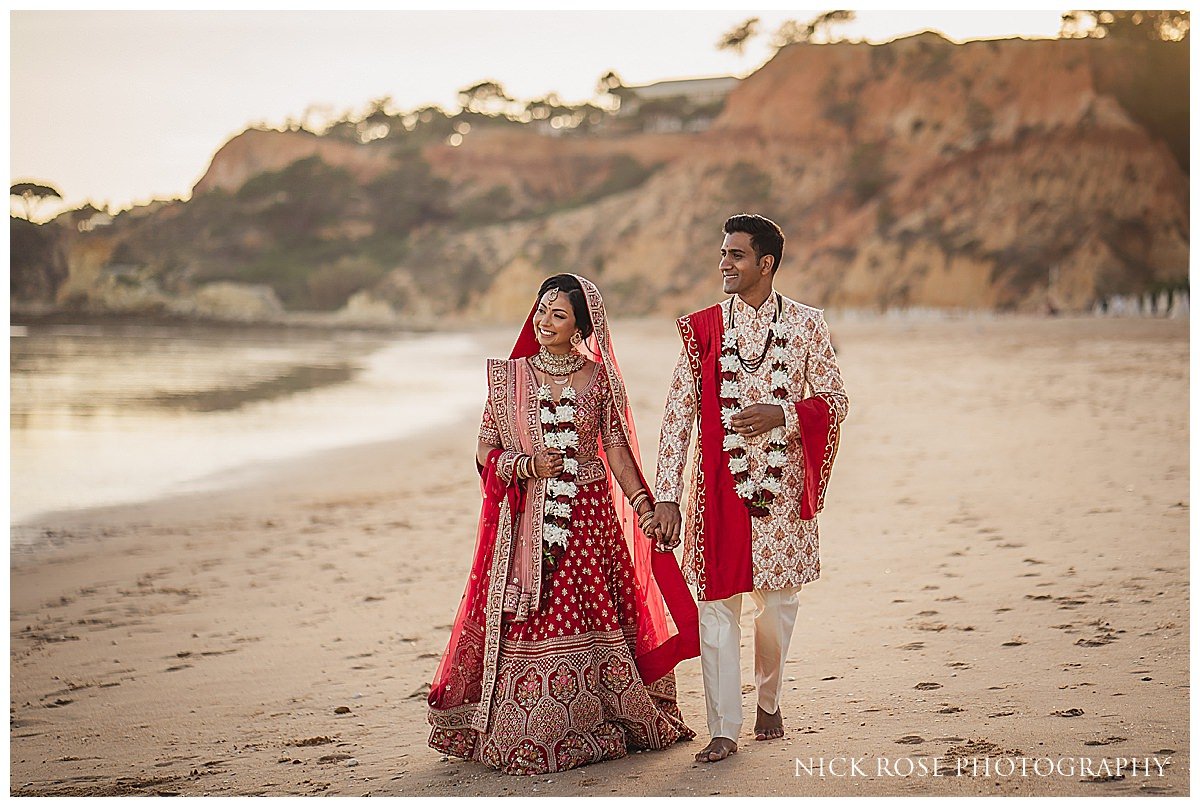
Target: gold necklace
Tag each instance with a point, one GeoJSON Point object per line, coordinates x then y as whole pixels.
{"type": "Point", "coordinates": [554, 365]}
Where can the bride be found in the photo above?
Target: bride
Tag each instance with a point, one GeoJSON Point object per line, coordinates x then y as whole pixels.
{"type": "Point", "coordinates": [564, 648]}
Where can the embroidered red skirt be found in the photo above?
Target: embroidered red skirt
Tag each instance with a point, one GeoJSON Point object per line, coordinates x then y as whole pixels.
{"type": "Point", "coordinates": [567, 689]}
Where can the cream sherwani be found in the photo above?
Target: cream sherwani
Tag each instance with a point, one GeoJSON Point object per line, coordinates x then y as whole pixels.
{"type": "Point", "coordinates": [784, 548]}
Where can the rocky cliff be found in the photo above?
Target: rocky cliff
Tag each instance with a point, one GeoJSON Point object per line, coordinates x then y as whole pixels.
{"type": "Point", "coordinates": [1004, 174]}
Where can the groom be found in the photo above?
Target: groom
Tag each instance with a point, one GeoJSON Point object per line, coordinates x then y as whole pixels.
{"type": "Point", "coordinates": [758, 372]}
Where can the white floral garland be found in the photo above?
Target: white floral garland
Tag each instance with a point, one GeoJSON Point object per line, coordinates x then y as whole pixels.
{"type": "Point", "coordinates": [558, 431]}
{"type": "Point", "coordinates": [758, 494]}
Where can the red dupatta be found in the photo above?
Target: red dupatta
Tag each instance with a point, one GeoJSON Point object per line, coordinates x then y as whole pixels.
{"type": "Point", "coordinates": [667, 618]}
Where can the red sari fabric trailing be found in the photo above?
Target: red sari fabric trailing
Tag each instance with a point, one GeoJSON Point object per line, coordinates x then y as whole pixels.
{"type": "Point", "coordinates": [587, 674]}
{"type": "Point", "coordinates": [724, 533]}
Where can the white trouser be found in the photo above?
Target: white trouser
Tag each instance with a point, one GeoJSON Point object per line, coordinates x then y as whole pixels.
{"type": "Point", "coordinates": [720, 656]}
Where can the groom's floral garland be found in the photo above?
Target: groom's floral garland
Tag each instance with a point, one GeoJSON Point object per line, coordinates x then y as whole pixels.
{"type": "Point", "coordinates": [558, 431]}
{"type": "Point", "coordinates": [758, 494]}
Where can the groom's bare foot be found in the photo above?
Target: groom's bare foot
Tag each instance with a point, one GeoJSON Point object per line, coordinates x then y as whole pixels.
{"type": "Point", "coordinates": [768, 727]}
{"type": "Point", "coordinates": [717, 750]}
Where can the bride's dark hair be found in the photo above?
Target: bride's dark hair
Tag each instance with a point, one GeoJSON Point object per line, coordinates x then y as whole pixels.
{"type": "Point", "coordinates": [569, 285]}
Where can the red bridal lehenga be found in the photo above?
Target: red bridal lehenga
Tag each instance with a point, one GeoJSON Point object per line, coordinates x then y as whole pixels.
{"type": "Point", "coordinates": [562, 657]}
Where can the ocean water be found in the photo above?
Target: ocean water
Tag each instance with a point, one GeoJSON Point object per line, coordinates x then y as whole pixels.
{"type": "Point", "coordinates": [110, 414]}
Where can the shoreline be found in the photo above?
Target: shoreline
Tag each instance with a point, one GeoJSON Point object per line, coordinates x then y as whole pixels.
{"type": "Point", "coordinates": [299, 474]}
{"type": "Point", "coordinates": [200, 645]}
{"type": "Point", "coordinates": [316, 395]}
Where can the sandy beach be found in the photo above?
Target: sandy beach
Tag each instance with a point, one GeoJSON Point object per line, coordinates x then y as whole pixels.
{"type": "Point", "coordinates": [1004, 576]}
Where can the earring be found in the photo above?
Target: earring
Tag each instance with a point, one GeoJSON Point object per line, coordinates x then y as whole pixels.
{"type": "Point", "coordinates": [577, 338]}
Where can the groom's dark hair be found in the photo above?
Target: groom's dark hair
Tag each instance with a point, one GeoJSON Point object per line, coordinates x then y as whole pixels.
{"type": "Point", "coordinates": [570, 286]}
{"type": "Point", "coordinates": [765, 235]}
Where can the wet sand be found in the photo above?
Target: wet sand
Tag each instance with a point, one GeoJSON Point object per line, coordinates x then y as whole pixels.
{"type": "Point", "coordinates": [1005, 575]}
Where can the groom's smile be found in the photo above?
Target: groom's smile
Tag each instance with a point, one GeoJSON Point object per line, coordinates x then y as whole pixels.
{"type": "Point", "coordinates": [741, 268]}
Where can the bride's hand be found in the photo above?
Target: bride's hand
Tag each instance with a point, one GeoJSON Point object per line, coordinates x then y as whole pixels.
{"type": "Point", "coordinates": [547, 463]}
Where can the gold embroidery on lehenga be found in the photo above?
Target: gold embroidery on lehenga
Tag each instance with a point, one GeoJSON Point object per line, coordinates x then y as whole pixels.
{"type": "Point", "coordinates": [561, 689]}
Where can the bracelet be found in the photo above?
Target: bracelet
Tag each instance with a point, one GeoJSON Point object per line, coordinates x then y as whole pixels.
{"type": "Point", "coordinates": [638, 498]}
{"type": "Point", "coordinates": [528, 466]}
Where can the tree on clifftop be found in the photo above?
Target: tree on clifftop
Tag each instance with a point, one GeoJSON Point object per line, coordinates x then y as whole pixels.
{"type": "Point", "coordinates": [1156, 87]}
{"type": "Point", "coordinates": [484, 98]}
{"type": "Point", "coordinates": [1127, 26]}
{"type": "Point", "coordinates": [818, 30]}
{"type": "Point", "coordinates": [32, 195]}
{"type": "Point", "coordinates": [735, 38]}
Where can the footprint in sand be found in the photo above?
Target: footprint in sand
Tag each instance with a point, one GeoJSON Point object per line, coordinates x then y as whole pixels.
{"type": "Point", "coordinates": [959, 665]}
{"type": "Point", "coordinates": [1067, 713]}
{"type": "Point", "coordinates": [925, 685]}
{"type": "Point", "coordinates": [934, 627]}
{"type": "Point", "coordinates": [310, 741]}
{"type": "Point", "coordinates": [1015, 641]}
{"type": "Point", "coordinates": [911, 739]}
{"type": "Point", "coordinates": [1105, 635]}
{"type": "Point", "coordinates": [1104, 777]}
{"type": "Point", "coordinates": [949, 710]}
{"type": "Point", "coordinates": [913, 646]}
{"type": "Point", "coordinates": [1106, 741]}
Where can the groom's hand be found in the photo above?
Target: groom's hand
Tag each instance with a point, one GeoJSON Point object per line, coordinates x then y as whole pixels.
{"type": "Point", "coordinates": [757, 419]}
{"type": "Point", "coordinates": [666, 524]}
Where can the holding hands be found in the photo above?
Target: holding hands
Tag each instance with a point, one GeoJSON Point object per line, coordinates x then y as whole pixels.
{"type": "Point", "coordinates": [664, 523]}
{"type": "Point", "coordinates": [663, 526]}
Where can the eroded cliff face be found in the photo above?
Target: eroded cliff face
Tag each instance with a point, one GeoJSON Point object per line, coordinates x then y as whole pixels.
{"type": "Point", "coordinates": [918, 173]}
{"type": "Point", "coordinates": [256, 151]}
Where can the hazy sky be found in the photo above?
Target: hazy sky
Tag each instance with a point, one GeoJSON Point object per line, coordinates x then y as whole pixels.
{"type": "Point", "coordinates": [124, 107]}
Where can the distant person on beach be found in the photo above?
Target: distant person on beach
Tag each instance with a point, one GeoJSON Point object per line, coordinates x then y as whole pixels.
{"type": "Point", "coordinates": [562, 653]}
{"type": "Point", "coordinates": [758, 372]}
